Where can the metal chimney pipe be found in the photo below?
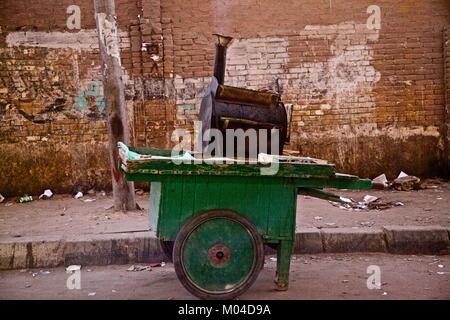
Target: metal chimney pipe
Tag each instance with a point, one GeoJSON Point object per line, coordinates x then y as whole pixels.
{"type": "Point", "coordinates": [222, 43]}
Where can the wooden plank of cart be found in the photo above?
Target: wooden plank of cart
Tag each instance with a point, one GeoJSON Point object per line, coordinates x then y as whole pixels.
{"type": "Point", "coordinates": [220, 216]}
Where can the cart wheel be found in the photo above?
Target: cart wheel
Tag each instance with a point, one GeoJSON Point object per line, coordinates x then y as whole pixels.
{"type": "Point", "coordinates": [218, 255]}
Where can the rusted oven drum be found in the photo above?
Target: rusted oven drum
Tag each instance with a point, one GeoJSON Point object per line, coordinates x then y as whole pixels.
{"type": "Point", "coordinates": [227, 115]}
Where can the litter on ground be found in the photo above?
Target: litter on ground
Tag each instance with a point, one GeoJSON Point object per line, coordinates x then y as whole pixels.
{"type": "Point", "coordinates": [46, 195]}
{"type": "Point", "coordinates": [135, 268]}
{"type": "Point", "coordinates": [368, 203]}
{"type": "Point", "coordinates": [73, 268]}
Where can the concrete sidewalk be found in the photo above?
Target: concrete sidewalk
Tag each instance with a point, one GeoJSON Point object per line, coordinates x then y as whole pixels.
{"type": "Point", "coordinates": [63, 230]}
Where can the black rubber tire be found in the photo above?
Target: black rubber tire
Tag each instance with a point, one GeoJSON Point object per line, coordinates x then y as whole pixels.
{"type": "Point", "coordinates": [184, 234]}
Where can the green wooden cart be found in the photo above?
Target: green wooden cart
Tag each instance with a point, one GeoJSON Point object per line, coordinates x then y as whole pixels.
{"type": "Point", "coordinates": [220, 216]}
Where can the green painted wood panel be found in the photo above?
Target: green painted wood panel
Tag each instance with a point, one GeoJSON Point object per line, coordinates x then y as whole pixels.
{"type": "Point", "coordinates": [154, 207]}
{"type": "Point", "coordinates": [165, 167]}
{"type": "Point", "coordinates": [337, 181]}
{"type": "Point", "coordinates": [268, 203]}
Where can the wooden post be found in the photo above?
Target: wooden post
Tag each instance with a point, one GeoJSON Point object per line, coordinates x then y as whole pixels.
{"type": "Point", "coordinates": [446, 124]}
{"type": "Point", "coordinates": [105, 16]}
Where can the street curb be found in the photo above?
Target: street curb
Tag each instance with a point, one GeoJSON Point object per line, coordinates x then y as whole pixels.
{"type": "Point", "coordinates": [411, 240]}
{"type": "Point", "coordinates": [142, 247]}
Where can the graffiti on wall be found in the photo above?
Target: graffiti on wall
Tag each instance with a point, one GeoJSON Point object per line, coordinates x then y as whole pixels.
{"type": "Point", "coordinates": [90, 99]}
{"type": "Point", "coordinates": [74, 71]}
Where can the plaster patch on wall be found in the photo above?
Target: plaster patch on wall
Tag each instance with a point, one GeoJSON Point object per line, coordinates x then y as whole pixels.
{"type": "Point", "coordinates": [348, 75]}
{"type": "Point", "coordinates": [344, 75]}
{"type": "Point", "coordinates": [188, 94]}
{"type": "Point", "coordinates": [324, 68]}
{"type": "Point", "coordinates": [255, 63]}
{"type": "Point", "coordinates": [86, 39]}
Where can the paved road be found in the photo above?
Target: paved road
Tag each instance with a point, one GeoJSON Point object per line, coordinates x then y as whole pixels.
{"type": "Point", "coordinates": [337, 276]}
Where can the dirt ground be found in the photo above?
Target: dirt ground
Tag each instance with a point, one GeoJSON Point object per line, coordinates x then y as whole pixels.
{"type": "Point", "coordinates": [421, 208]}
{"type": "Point", "coordinates": [324, 276]}
{"type": "Point", "coordinates": [63, 215]}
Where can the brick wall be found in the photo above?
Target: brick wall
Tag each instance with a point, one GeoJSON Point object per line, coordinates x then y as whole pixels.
{"type": "Point", "coordinates": [372, 101]}
{"type": "Point", "coordinates": [369, 100]}
{"type": "Point", "coordinates": [52, 128]}
{"type": "Point", "coordinates": [446, 123]}
{"type": "Point", "coordinates": [153, 110]}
